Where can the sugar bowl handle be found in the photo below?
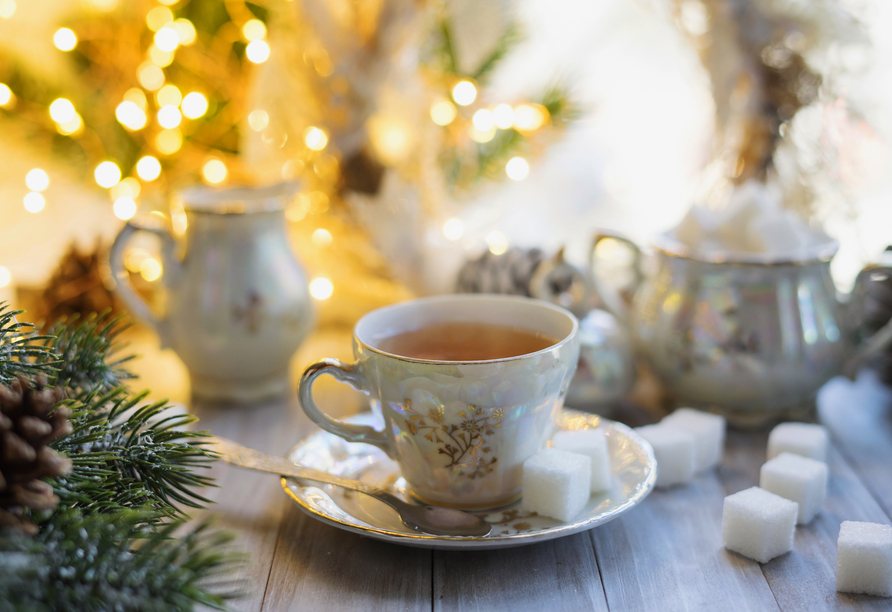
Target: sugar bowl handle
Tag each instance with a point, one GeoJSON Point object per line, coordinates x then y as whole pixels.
{"type": "Point", "coordinates": [343, 372]}
{"type": "Point", "coordinates": [121, 276]}
{"type": "Point", "coordinates": [611, 296]}
{"type": "Point", "coordinates": [881, 338]}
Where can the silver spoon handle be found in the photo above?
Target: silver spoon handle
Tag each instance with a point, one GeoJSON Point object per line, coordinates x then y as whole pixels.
{"type": "Point", "coordinates": [242, 456]}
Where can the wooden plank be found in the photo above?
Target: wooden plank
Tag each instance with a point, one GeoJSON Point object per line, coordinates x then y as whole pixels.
{"type": "Point", "coordinates": [555, 575]}
{"type": "Point", "coordinates": [318, 567]}
{"type": "Point", "coordinates": [666, 555]}
{"type": "Point", "coordinates": [805, 579]}
{"type": "Point", "coordinates": [859, 416]}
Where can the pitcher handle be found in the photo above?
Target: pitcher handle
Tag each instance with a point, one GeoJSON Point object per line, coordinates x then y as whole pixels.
{"type": "Point", "coordinates": [121, 276]}
{"type": "Point", "coordinates": [343, 372]}
{"type": "Point", "coordinates": [881, 338]}
{"type": "Point", "coordinates": [611, 297]}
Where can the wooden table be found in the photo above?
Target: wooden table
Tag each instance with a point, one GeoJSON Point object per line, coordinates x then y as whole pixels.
{"type": "Point", "coordinates": [664, 555]}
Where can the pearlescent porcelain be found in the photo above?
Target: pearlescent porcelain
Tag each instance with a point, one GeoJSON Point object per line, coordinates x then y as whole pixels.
{"type": "Point", "coordinates": [632, 465]}
{"type": "Point", "coordinates": [459, 431]}
{"type": "Point", "coordinates": [238, 305]}
{"type": "Point", "coordinates": [751, 335]}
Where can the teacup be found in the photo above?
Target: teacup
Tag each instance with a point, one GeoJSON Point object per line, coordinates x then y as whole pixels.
{"type": "Point", "coordinates": [460, 431]}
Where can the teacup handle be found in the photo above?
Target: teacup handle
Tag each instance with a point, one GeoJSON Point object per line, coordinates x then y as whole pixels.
{"type": "Point", "coordinates": [343, 372]}
{"type": "Point", "coordinates": [611, 297]}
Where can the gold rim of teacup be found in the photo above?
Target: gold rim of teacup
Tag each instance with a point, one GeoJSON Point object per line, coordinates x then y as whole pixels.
{"type": "Point", "coordinates": [472, 296]}
{"type": "Point", "coordinates": [672, 247]}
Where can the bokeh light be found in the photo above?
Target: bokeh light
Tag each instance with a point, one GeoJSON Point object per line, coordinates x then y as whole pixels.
{"type": "Point", "coordinates": [169, 95]}
{"type": "Point", "coordinates": [169, 117]}
{"type": "Point", "coordinates": [315, 138]}
{"type": "Point", "coordinates": [529, 117]}
{"type": "Point", "coordinates": [124, 208]}
{"type": "Point", "coordinates": [130, 115]}
{"type": "Point", "coordinates": [148, 168]}
{"type": "Point", "coordinates": [517, 168]}
{"type": "Point", "coordinates": [453, 229]}
{"type": "Point", "coordinates": [464, 93]}
{"type": "Point", "coordinates": [34, 202]}
{"type": "Point", "coordinates": [7, 98]}
{"type": "Point", "coordinates": [72, 127]}
{"type": "Point", "coordinates": [321, 238]}
{"type": "Point", "coordinates": [443, 112]}
{"type": "Point", "coordinates": [37, 180]}
{"type": "Point", "coordinates": [5, 277]}
{"type": "Point", "coordinates": [65, 39]}
{"type": "Point", "coordinates": [258, 120]}
{"type": "Point", "coordinates": [503, 116]}
{"type": "Point", "coordinates": [107, 174]}
{"type": "Point", "coordinates": [7, 9]}
{"type": "Point", "coordinates": [169, 142]}
{"type": "Point", "coordinates": [194, 105]}
{"type": "Point", "coordinates": [214, 171]}
{"type": "Point", "coordinates": [159, 17]}
{"type": "Point", "coordinates": [483, 120]}
{"type": "Point", "coordinates": [167, 39]}
{"type": "Point", "coordinates": [321, 288]}
{"type": "Point", "coordinates": [254, 29]}
{"type": "Point", "coordinates": [257, 51]}
{"type": "Point", "coordinates": [185, 31]}
{"type": "Point", "coordinates": [127, 188]}
{"type": "Point", "coordinates": [62, 110]}
{"type": "Point", "coordinates": [497, 242]}
{"type": "Point", "coordinates": [150, 269]}
{"type": "Point", "coordinates": [150, 76]}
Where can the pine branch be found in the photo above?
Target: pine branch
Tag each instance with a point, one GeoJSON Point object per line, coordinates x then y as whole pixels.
{"type": "Point", "coordinates": [126, 453]}
{"type": "Point", "coordinates": [88, 351]}
{"type": "Point", "coordinates": [113, 562]}
{"type": "Point", "coordinates": [507, 41]}
{"type": "Point", "coordinates": [21, 349]}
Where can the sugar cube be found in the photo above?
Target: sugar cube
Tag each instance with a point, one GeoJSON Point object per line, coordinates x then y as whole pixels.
{"type": "Point", "coordinates": [758, 524]}
{"type": "Point", "coordinates": [556, 483]}
{"type": "Point", "coordinates": [798, 479]}
{"type": "Point", "coordinates": [591, 442]}
{"type": "Point", "coordinates": [800, 439]}
{"type": "Point", "coordinates": [674, 451]}
{"type": "Point", "coordinates": [864, 559]}
{"type": "Point", "coordinates": [708, 431]}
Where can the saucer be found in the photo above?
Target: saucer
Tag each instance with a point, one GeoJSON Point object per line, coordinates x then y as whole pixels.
{"type": "Point", "coordinates": [631, 459]}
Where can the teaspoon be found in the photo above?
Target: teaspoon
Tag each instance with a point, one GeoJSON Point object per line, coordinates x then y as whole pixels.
{"type": "Point", "coordinates": [431, 520]}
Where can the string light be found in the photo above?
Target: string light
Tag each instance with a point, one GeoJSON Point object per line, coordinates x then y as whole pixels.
{"type": "Point", "coordinates": [169, 95]}
{"type": "Point", "coordinates": [443, 112]}
{"type": "Point", "coordinates": [37, 180]}
{"type": "Point", "coordinates": [150, 76]}
{"type": "Point", "coordinates": [124, 208]}
{"type": "Point", "coordinates": [62, 110]}
{"type": "Point", "coordinates": [34, 202]}
{"type": "Point", "coordinates": [127, 188]}
{"type": "Point", "coordinates": [214, 171]}
{"type": "Point", "coordinates": [257, 51]}
{"type": "Point", "coordinates": [7, 98]}
{"type": "Point", "coordinates": [321, 288]}
{"type": "Point", "coordinates": [65, 39]}
{"type": "Point", "coordinates": [497, 242]}
{"type": "Point", "coordinates": [194, 105]}
{"type": "Point", "coordinates": [130, 115]}
{"type": "Point", "coordinates": [5, 277]}
{"type": "Point", "coordinates": [464, 93]}
{"type": "Point", "coordinates": [503, 116]}
{"type": "Point", "coordinates": [107, 174]}
{"type": "Point", "coordinates": [169, 142]}
{"type": "Point", "coordinates": [185, 31]}
{"type": "Point", "coordinates": [160, 58]}
{"type": "Point", "coordinates": [321, 238]}
{"type": "Point", "coordinates": [7, 8]}
{"type": "Point", "coordinates": [159, 17]}
{"type": "Point", "coordinates": [169, 117]}
{"type": "Point", "coordinates": [258, 120]}
{"type": "Point", "coordinates": [167, 39]}
{"type": "Point", "coordinates": [517, 168]}
{"type": "Point", "coordinates": [453, 229]}
{"type": "Point", "coordinates": [150, 269]}
{"type": "Point", "coordinates": [254, 29]}
{"type": "Point", "coordinates": [148, 168]}
{"type": "Point", "coordinates": [315, 138]}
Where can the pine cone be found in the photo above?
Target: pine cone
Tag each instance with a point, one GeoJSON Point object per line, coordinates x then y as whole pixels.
{"type": "Point", "coordinates": [27, 424]}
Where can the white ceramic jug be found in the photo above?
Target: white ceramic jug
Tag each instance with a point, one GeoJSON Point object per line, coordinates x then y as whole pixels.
{"type": "Point", "coordinates": [238, 305]}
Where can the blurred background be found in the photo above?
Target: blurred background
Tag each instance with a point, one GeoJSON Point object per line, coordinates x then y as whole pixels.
{"type": "Point", "coordinates": [422, 135]}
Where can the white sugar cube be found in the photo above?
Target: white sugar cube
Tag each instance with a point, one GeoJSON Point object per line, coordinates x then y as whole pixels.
{"type": "Point", "coordinates": [591, 442]}
{"type": "Point", "coordinates": [758, 524]}
{"type": "Point", "coordinates": [674, 451]}
{"type": "Point", "coordinates": [864, 559]}
{"type": "Point", "coordinates": [708, 431]}
{"type": "Point", "coordinates": [556, 483]}
{"type": "Point", "coordinates": [798, 479]}
{"type": "Point", "coordinates": [800, 439]}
